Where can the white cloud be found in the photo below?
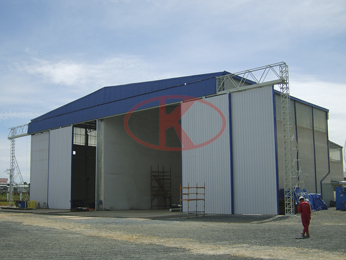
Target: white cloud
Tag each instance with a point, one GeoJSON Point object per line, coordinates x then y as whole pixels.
{"type": "Point", "coordinates": [6, 114]}
{"type": "Point", "coordinates": [37, 85]}
{"type": "Point", "coordinates": [61, 72]}
{"type": "Point", "coordinates": [92, 74]}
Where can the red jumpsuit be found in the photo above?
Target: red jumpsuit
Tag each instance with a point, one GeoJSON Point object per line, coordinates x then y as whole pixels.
{"type": "Point", "coordinates": [305, 210]}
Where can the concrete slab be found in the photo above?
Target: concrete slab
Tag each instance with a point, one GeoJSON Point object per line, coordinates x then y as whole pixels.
{"type": "Point", "coordinates": [146, 214]}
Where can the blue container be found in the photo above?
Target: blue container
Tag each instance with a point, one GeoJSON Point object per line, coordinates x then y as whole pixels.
{"type": "Point", "coordinates": [343, 206]}
{"type": "Point", "coordinates": [340, 196]}
{"type": "Point", "coordinates": [22, 204]}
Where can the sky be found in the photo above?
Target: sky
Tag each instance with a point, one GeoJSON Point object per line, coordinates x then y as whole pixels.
{"type": "Point", "coordinates": [53, 52]}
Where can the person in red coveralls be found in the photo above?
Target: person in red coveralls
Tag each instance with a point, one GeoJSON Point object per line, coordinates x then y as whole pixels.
{"type": "Point", "coordinates": [305, 211]}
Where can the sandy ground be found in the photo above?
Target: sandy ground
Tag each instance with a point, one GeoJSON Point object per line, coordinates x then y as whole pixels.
{"type": "Point", "coordinates": [68, 236]}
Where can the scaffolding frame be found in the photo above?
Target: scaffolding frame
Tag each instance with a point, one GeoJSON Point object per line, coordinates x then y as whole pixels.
{"type": "Point", "coordinates": [192, 194]}
{"type": "Point", "coordinates": [161, 190]}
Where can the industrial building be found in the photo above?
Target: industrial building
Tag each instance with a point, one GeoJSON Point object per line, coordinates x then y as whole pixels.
{"type": "Point", "coordinates": [120, 147]}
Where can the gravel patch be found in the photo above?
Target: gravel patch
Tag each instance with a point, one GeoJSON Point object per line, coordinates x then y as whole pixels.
{"type": "Point", "coordinates": [44, 236]}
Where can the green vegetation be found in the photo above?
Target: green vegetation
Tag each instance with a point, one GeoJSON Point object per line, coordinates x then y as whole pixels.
{"type": "Point", "coordinates": [3, 198]}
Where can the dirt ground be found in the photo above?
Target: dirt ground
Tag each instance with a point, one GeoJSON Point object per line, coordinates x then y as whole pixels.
{"type": "Point", "coordinates": [79, 236]}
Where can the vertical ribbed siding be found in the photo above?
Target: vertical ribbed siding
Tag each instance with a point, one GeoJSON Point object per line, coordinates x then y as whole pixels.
{"type": "Point", "coordinates": [253, 140]}
{"type": "Point", "coordinates": [60, 165]}
{"type": "Point", "coordinates": [39, 167]}
{"type": "Point", "coordinates": [209, 164]}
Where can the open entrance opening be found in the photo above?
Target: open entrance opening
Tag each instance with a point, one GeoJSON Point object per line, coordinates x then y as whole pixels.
{"type": "Point", "coordinates": [83, 165]}
{"type": "Point", "coordinates": [129, 179]}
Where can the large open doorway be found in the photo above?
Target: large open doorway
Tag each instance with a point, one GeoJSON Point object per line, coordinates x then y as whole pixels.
{"type": "Point", "coordinates": [133, 169]}
{"type": "Point", "coordinates": [83, 165]}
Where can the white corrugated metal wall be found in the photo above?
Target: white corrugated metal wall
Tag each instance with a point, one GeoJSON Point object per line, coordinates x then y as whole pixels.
{"type": "Point", "coordinates": [50, 170]}
{"type": "Point", "coordinates": [254, 152]}
{"type": "Point", "coordinates": [209, 164]}
{"type": "Point", "coordinates": [39, 167]}
{"type": "Point", "coordinates": [60, 167]}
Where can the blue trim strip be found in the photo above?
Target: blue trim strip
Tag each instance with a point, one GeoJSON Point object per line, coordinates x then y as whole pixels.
{"type": "Point", "coordinates": [230, 152]}
{"type": "Point", "coordinates": [276, 154]}
{"type": "Point", "coordinates": [72, 162]}
{"type": "Point", "coordinates": [48, 170]}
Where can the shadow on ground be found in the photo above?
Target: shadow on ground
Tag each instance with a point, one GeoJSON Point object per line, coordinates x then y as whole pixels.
{"type": "Point", "coordinates": [242, 219]}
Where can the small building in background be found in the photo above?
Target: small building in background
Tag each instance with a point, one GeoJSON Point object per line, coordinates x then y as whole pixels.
{"type": "Point", "coordinates": [3, 180]}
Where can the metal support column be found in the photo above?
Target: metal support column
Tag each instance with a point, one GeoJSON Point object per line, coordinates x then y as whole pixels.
{"type": "Point", "coordinates": [99, 178]}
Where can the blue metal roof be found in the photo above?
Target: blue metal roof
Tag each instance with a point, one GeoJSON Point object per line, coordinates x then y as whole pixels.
{"type": "Point", "coordinates": [115, 100]}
